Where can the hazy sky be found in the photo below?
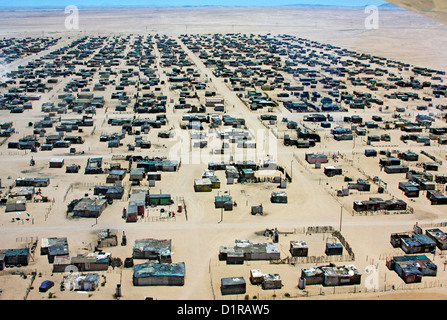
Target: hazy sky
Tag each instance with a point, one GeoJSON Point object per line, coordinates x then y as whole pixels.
{"type": "Point", "coordinates": [83, 3]}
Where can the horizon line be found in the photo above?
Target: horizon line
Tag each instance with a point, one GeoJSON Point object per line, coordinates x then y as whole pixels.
{"type": "Point", "coordinates": [191, 6]}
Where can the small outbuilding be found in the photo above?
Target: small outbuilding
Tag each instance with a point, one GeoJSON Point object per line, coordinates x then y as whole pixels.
{"type": "Point", "coordinates": [332, 171]}
{"type": "Point", "coordinates": [233, 285]}
{"type": "Point", "coordinates": [56, 163]}
{"type": "Point", "coordinates": [16, 204]}
{"type": "Point", "coordinates": [271, 281]}
{"type": "Point", "coordinates": [203, 185]}
{"type": "Point", "coordinates": [298, 249]}
{"type": "Point", "coordinates": [278, 197]}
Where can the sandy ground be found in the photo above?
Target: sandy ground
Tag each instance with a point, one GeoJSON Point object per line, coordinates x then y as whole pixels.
{"type": "Point", "coordinates": [196, 238]}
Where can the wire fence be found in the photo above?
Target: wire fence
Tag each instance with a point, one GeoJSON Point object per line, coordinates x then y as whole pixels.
{"type": "Point", "coordinates": [409, 210]}
{"type": "Point", "coordinates": [356, 291]}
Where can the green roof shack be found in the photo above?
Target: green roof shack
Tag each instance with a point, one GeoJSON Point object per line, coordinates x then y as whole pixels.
{"type": "Point", "coordinates": [225, 202]}
{"type": "Point", "coordinates": [160, 199]}
{"type": "Point", "coordinates": [278, 197]}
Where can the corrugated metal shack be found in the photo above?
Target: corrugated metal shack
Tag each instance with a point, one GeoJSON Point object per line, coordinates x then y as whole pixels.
{"type": "Point", "coordinates": [27, 192]}
{"type": "Point", "coordinates": [116, 175]}
{"type": "Point", "coordinates": [233, 285]}
{"type": "Point", "coordinates": [56, 163]}
{"type": "Point", "coordinates": [298, 249]}
{"type": "Point", "coordinates": [15, 204]}
{"type": "Point", "coordinates": [89, 208]}
{"type": "Point", "coordinates": [137, 174]}
{"type": "Point", "coordinates": [333, 248]}
{"type": "Point", "coordinates": [436, 197]}
{"type": "Point", "coordinates": [225, 202]}
{"type": "Point", "coordinates": [152, 249]}
{"type": "Point", "coordinates": [93, 261]}
{"type": "Point", "coordinates": [396, 169]}
{"type": "Point", "coordinates": [331, 275]}
{"type": "Point", "coordinates": [361, 185]}
{"type": "Point", "coordinates": [17, 257]}
{"type": "Point", "coordinates": [439, 236]}
{"type": "Point", "coordinates": [203, 185]}
{"type": "Point", "coordinates": [137, 205]}
{"type": "Point", "coordinates": [88, 282]}
{"type": "Point", "coordinates": [155, 165]}
{"type": "Point", "coordinates": [256, 276]}
{"type": "Point", "coordinates": [250, 251]}
{"type": "Point", "coordinates": [409, 156]}
{"type": "Point", "coordinates": [54, 247]}
{"type": "Point", "coordinates": [94, 166]}
{"type": "Point", "coordinates": [278, 197]}
{"type": "Point", "coordinates": [332, 171]}
{"type": "Point", "coordinates": [412, 268]}
{"type": "Point", "coordinates": [375, 204]}
{"type": "Point", "coordinates": [159, 274]}
{"type": "Point", "coordinates": [32, 182]}
{"type": "Point", "coordinates": [314, 158]}
{"type": "Point", "coordinates": [271, 281]}
{"type": "Point", "coordinates": [410, 189]}
{"type": "Point", "coordinates": [389, 161]}
{"type": "Point", "coordinates": [110, 192]}
{"type": "Point", "coordinates": [107, 238]}
{"type": "Point", "coordinates": [416, 243]}
{"type": "Point", "coordinates": [160, 199]}
{"type": "Point", "coordinates": [72, 168]}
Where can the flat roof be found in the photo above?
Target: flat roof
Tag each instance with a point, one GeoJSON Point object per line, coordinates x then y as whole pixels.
{"type": "Point", "coordinates": [153, 269]}
{"type": "Point", "coordinates": [231, 281]}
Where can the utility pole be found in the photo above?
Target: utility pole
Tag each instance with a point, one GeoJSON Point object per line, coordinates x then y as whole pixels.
{"type": "Point", "coordinates": [341, 215]}
{"type": "Point", "coordinates": [221, 209]}
{"type": "Point", "coordinates": [291, 171]}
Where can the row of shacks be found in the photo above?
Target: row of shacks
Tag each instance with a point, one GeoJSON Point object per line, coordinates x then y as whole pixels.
{"type": "Point", "coordinates": [412, 268]}
{"type": "Point", "coordinates": [81, 51]}
{"type": "Point", "coordinates": [240, 171]}
{"type": "Point", "coordinates": [28, 189]}
{"type": "Point", "coordinates": [304, 137]}
{"type": "Point", "coordinates": [244, 250]}
{"type": "Point", "coordinates": [79, 270]}
{"type": "Point", "coordinates": [247, 71]}
{"type": "Point", "coordinates": [17, 48]}
{"type": "Point", "coordinates": [308, 77]}
{"type": "Point", "coordinates": [238, 285]}
{"type": "Point", "coordinates": [416, 181]}
{"type": "Point", "coordinates": [141, 198]}
{"type": "Point", "coordinates": [57, 251]}
{"type": "Point", "coordinates": [138, 201]}
{"type": "Point", "coordinates": [419, 242]}
{"type": "Point", "coordinates": [423, 181]}
{"type": "Point", "coordinates": [330, 275]}
{"type": "Point", "coordinates": [378, 204]}
{"type": "Point", "coordinates": [48, 141]}
{"type": "Point", "coordinates": [415, 264]}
